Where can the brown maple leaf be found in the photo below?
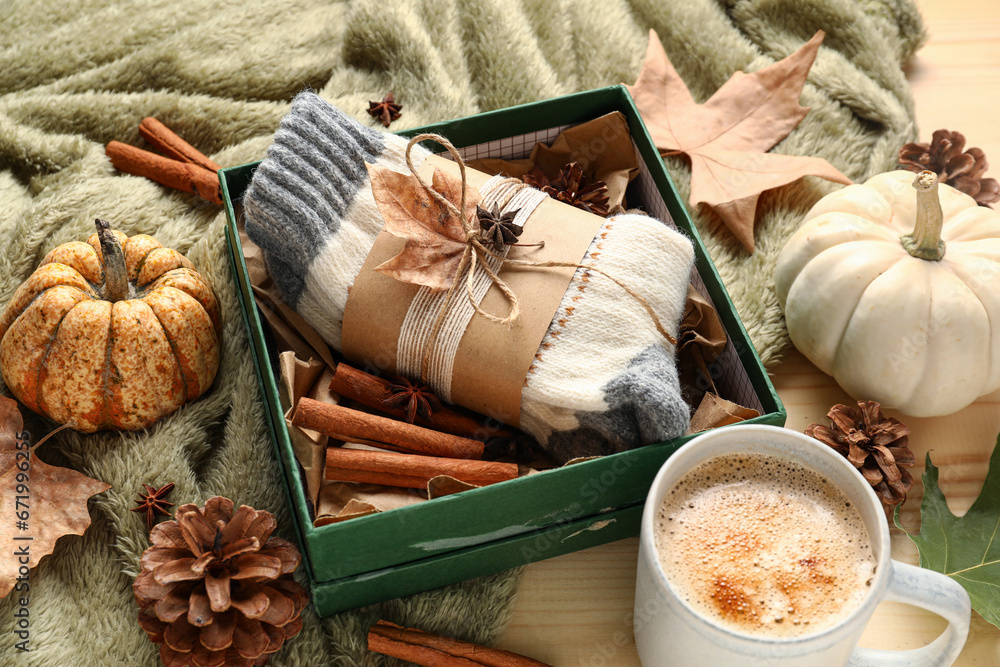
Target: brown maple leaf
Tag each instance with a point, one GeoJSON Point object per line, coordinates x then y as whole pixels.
{"type": "Point", "coordinates": [39, 503]}
{"type": "Point", "coordinates": [435, 238]}
{"type": "Point", "coordinates": [727, 137]}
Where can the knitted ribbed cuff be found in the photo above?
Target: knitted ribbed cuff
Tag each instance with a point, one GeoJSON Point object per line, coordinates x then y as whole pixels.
{"type": "Point", "coordinates": [301, 192]}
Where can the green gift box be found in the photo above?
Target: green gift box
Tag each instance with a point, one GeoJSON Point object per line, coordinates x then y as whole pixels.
{"type": "Point", "coordinates": [414, 548]}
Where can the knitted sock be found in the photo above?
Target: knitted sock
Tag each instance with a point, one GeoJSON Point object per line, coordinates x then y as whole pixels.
{"type": "Point", "coordinates": [603, 381]}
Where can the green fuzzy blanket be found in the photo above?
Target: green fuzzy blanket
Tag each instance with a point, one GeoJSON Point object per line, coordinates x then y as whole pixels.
{"type": "Point", "coordinates": [76, 74]}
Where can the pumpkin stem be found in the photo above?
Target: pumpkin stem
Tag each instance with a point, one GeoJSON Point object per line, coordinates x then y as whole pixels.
{"type": "Point", "coordinates": [925, 240]}
{"type": "Point", "coordinates": [116, 287]}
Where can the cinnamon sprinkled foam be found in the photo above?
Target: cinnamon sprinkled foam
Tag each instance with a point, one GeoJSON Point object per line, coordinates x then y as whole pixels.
{"type": "Point", "coordinates": [764, 546]}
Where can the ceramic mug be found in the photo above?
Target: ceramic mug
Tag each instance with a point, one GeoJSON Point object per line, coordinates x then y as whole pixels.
{"type": "Point", "coordinates": [668, 631]}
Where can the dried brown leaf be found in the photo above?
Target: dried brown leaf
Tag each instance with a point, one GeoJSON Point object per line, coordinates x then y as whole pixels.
{"type": "Point", "coordinates": [54, 499]}
{"type": "Point", "coordinates": [435, 238]}
{"type": "Point", "coordinates": [715, 411]}
{"type": "Point", "coordinates": [727, 137]}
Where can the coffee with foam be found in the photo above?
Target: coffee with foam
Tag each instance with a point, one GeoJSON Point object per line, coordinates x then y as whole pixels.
{"type": "Point", "coordinates": [764, 546]}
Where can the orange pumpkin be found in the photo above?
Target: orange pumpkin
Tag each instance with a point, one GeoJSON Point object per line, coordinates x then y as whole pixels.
{"type": "Point", "coordinates": [110, 334]}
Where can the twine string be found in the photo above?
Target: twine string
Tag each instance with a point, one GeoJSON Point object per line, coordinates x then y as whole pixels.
{"type": "Point", "coordinates": [475, 254]}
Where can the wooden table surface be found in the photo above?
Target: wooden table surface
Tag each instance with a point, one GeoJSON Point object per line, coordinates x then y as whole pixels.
{"type": "Point", "coordinates": [575, 609]}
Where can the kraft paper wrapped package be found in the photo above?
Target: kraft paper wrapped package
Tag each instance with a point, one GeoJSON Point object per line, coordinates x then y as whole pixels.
{"type": "Point", "coordinates": [603, 379]}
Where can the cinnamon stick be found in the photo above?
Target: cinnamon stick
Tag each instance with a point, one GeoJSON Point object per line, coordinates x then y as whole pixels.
{"type": "Point", "coordinates": [372, 391]}
{"type": "Point", "coordinates": [171, 173]}
{"type": "Point", "coordinates": [349, 425]}
{"type": "Point", "coordinates": [410, 471]}
{"type": "Point", "coordinates": [170, 144]}
{"type": "Point", "coordinates": [429, 650]}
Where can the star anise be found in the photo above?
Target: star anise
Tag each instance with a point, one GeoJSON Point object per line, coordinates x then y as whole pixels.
{"type": "Point", "coordinates": [153, 503]}
{"type": "Point", "coordinates": [568, 187]}
{"type": "Point", "coordinates": [875, 444]}
{"type": "Point", "coordinates": [498, 229]}
{"type": "Point", "coordinates": [414, 398]}
{"type": "Point", "coordinates": [386, 111]}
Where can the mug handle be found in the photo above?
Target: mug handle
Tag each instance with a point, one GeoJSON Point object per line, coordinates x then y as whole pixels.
{"type": "Point", "coordinates": [934, 592]}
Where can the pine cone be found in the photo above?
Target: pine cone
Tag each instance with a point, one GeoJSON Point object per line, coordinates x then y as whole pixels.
{"type": "Point", "coordinates": [216, 589]}
{"type": "Point", "coordinates": [963, 171]}
{"type": "Point", "coordinates": [566, 187]}
{"type": "Point", "coordinates": [876, 445]}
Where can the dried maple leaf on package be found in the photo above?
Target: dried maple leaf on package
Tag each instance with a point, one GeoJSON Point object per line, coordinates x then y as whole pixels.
{"type": "Point", "coordinates": [39, 503]}
{"type": "Point", "coordinates": [727, 137]}
{"type": "Point", "coordinates": [435, 238]}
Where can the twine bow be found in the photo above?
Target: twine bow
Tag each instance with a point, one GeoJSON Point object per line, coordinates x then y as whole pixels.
{"type": "Point", "coordinates": [476, 252]}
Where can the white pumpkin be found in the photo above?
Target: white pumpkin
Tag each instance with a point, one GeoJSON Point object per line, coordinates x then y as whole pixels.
{"type": "Point", "coordinates": [916, 328]}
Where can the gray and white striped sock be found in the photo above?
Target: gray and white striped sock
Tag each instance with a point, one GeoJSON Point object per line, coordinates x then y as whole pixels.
{"type": "Point", "coordinates": [603, 381]}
